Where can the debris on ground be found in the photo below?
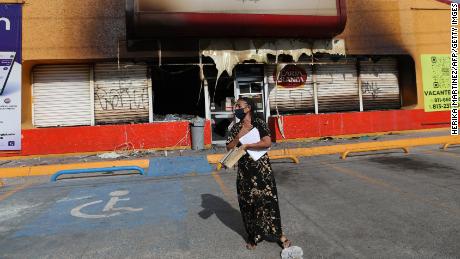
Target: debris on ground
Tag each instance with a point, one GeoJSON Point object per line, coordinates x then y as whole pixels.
{"type": "Point", "coordinates": [111, 155]}
{"type": "Point", "coordinates": [172, 117]}
{"type": "Point", "coordinates": [292, 252]}
{"type": "Point", "coordinates": [326, 139]}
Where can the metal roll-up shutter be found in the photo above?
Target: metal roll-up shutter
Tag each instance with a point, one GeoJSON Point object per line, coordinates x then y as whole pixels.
{"type": "Point", "coordinates": [121, 93]}
{"type": "Point", "coordinates": [290, 99]}
{"type": "Point", "coordinates": [61, 95]}
{"type": "Point", "coordinates": [379, 84]}
{"type": "Point", "coordinates": [337, 86]}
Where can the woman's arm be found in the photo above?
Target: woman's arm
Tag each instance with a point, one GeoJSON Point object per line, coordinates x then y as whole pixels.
{"type": "Point", "coordinates": [233, 143]}
{"type": "Point", "coordinates": [236, 140]}
{"type": "Point", "coordinates": [264, 143]}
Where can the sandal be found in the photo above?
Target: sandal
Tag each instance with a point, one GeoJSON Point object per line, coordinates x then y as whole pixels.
{"type": "Point", "coordinates": [286, 243]}
{"type": "Point", "coordinates": [251, 246]}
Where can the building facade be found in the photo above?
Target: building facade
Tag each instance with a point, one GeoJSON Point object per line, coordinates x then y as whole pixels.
{"type": "Point", "coordinates": [97, 76]}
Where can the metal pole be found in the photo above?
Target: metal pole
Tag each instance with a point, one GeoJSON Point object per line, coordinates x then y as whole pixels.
{"type": "Point", "coordinates": [361, 104]}
{"type": "Point", "coordinates": [207, 102]}
{"type": "Point", "coordinates": [91, 94]}
{"type": "Point", "coordinates": [315, 89]}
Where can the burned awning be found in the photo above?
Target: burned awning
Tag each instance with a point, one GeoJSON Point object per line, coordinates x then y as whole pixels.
{"type": "Point", "coordinates": [227, 53]}
{"type": "Point", "coordinates": [155, 19]}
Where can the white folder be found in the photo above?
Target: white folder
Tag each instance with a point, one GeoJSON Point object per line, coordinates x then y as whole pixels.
{"type": "Point", "coordinates": [252, 137]}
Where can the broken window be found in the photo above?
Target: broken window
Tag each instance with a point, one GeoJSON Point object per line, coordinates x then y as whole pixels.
{"type": "Point", "coordinates": [177, 89]}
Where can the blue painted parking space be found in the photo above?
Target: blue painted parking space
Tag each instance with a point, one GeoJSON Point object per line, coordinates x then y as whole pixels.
{"type": "Point", "coordinates": [112, 206]}
{"type": "Point", "coordinates": [183, 165]}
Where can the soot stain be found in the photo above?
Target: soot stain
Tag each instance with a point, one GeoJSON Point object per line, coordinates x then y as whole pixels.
{"type": "Point", "coordinates": [408, 164]}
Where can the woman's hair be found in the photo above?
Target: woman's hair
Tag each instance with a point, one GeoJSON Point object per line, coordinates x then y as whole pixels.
{"type": "Point", "coordinates": [251, 103]}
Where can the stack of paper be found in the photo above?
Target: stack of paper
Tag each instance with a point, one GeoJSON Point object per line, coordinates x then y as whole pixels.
{"type": "Point", "coordinates": [252, 137]}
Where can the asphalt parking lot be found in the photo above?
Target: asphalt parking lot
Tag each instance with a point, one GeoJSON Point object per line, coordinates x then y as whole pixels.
{"type": "Point", "coordinates": [380, 205]}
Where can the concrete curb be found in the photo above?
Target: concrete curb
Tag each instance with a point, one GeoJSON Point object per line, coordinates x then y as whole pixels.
{"type": "Point", "coordinates": [51, 169]}
{"type": "Point", "coordinates": [13, 158]}
{"type": "Point", "coordinates": [214, 158]}
{"type": "Point", "coordinates": [344, 149]}
{"type": "Point", "coordinates": [371, 134]}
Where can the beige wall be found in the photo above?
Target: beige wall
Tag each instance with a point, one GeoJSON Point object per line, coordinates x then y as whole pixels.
{"type": "Point", "coordinates": [72, 29]}
{"type": "Point", "coordinates": [94, 29]}
{"type": "Point", "coordinates": [67, 31]}
{"type": "Point", "coordinates": [412, 27]}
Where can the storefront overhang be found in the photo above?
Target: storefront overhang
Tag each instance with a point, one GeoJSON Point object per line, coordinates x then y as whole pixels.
{"type": "Point", "coordinates": [227, 53]}
{"type": "Point", "coordinates": [156, 19]}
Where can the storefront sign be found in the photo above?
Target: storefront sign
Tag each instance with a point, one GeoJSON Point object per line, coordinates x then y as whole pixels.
{"type": "Point", "coordinates": [10, 76]}
{"type": "Point", "coordinates": [436, 82]}
{"type": "Point", "coordinates": [291, 76]}
{"type": "Point", "coordinates": [287, 7]}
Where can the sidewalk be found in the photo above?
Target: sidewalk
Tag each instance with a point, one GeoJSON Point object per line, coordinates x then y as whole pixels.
{"type": "Point", "coordinates": [11, 165]}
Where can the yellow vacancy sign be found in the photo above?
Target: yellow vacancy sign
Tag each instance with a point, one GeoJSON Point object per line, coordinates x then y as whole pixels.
{"type": "Point", "coordinates": [436, 82]}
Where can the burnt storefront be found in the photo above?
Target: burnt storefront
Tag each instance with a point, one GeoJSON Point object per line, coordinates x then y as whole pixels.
{"type": "Point", "coordinates": [285, 56]}
{"type": "Point", "coordinates": [106, 75]}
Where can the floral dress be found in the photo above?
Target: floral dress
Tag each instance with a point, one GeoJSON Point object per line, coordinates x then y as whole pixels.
{"type": "Point", "coordinates": [257, 194]}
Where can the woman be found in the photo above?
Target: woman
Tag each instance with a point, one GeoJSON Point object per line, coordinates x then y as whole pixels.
{"type": "Point", "coordinates": [256, 187]}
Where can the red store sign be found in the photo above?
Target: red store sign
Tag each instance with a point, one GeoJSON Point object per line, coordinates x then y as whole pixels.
{"type": "Point", "coordinates": [292, 76]}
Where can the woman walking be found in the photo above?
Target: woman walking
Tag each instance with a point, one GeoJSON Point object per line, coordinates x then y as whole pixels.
{"type": "Point", "coordinates": [256, 187]}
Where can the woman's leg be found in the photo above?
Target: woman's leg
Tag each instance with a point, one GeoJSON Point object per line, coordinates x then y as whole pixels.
{"type": "Point", "coordinates": [272, 215]}
{"type": "Point", "coordinates": [246, 208]}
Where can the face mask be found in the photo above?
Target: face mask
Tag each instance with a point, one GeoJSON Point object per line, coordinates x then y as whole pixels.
{"type": "Point", "coordinates": [239, 113]}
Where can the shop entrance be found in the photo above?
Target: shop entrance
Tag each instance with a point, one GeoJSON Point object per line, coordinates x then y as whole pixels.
{"type": "Point", "coordinates": [246, 81]}
{"type": "Point", "coordinates": [177, 92]}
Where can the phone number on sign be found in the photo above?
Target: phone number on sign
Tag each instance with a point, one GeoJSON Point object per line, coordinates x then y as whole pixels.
{"type": "Point", "coordinates": [441, 106]}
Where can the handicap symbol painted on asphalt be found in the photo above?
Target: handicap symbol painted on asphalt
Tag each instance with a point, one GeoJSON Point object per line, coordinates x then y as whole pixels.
{"type": "Point", "coordinates": [109, 209]}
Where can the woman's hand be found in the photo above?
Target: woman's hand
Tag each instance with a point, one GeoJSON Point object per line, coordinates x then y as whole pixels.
{"type": "Point", "coordinates": [244, 147]}
{"type": "Point", "coordinates": [264, 143]}
{"type": "Point", "coordinates": [243, 131]}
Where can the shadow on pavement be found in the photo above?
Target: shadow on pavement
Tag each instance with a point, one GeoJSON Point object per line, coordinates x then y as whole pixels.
{"type": "Point", "coordinates": [228, 215]}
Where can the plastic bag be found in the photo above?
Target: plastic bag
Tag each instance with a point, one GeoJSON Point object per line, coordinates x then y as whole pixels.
{"type": "Point", "coordinates": [292, 252]}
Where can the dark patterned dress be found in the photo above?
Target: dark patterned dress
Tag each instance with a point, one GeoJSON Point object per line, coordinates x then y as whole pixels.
{"type": "Point", "coordinates": [257, 194]}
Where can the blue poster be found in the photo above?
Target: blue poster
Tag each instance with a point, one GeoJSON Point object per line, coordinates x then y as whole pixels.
{"type": "Point", "coordinates": [10, 76]}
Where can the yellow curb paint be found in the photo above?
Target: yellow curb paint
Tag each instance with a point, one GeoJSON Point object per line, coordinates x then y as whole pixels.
{"type": "Point", "coordinates": [376, 148]}
{"type": "Point", "coordinates": [51, 169]}
{"type": "Point", "coordinates": [447, 145]}
{"type": "Point", "coordinates": [357, 147]}
{"type": "Point", "coordinates": [12, 158]}
{"type": "Point", "coordinates": [214, 159]}
{"type": "Point", "coordinates": [8, 194]}
{"type": "Point", "coordinates": [14, 172]}
{"type": "Point", "coordinates": [373, 134]}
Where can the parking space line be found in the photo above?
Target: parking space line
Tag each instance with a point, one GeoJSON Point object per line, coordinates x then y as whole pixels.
{"type": "Point", "coordinates": [445, 153]}
{"type": "Point", "coordinates": [15, 190]}
{"type": "Point", "coordinates": [385, 185]}
{"type": "Point", "coordinates": [362, 177]}
{"type": "Point", "coordinates": [228, 194]}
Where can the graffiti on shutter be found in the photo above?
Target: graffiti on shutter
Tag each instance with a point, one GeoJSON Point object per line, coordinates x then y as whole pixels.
{"type": "Point", "coordinates": [299, 99]}
{"type": "Point", "coordinates": [121, 95]}
{"type": "Point", "coordinates": [379, 84]}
